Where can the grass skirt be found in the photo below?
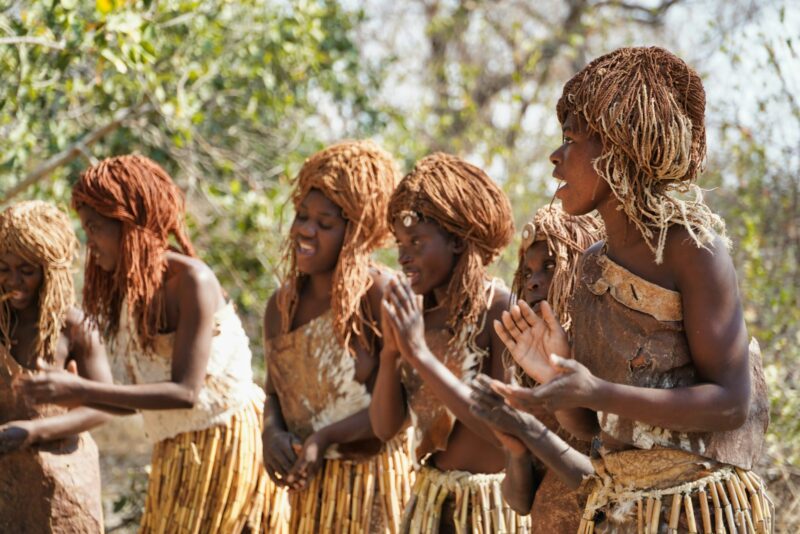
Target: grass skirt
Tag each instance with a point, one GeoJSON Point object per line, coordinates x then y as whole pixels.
{"type": "Point", "coordinates": [214, 481]}
{"type": "Point", "coordinates": [355, 497]}
{"type": "Point", "coordinates": [461, 502]}
{"type": "Point", "coordinates": [667, 490]}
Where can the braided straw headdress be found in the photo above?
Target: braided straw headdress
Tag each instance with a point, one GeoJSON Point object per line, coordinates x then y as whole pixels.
{"type": "Point", "coordinates": [41, 234]}
{"type": "Point", "coordinates": [647, 105]}
{"type": "Point", "coordinates": [465, 202]}
{"type": "Point", "coordinates": [359, 177]}
{"type": "Point", "coordinates": [138, 193]}
{"type": "Point", "coordinates": [567, 237]}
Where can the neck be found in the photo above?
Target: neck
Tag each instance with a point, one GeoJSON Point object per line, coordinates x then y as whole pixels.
{"type": "Point", "coordinates": [621, 233]}
{"type": "Point", "coordinates": [29, 315]}
{"type": "Point", "coordinates": [320, 285]}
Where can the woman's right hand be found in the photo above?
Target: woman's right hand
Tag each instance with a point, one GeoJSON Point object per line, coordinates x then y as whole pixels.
{"type": "Point", "coordinates": [16, 435]}
{"type": "Point", "coordinates": [280, 453]}
{"type": "Point", "coordinates": [390, 348]}
{"type": "Point", "coordinates": [531, 339]}
{"type": "Point", "coordinates": [508, 424]}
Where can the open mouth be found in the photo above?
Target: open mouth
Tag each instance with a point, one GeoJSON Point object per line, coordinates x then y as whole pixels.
{"type": "Point", "coordinates": [305, 249]}
{"type": "Point", "coordinates": [14, 296]}
{"type": "Point", "coordinates": [412, 276]}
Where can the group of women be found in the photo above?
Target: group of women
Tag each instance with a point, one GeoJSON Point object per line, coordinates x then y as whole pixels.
{"type": "Point", "coordinates": [612, 389]}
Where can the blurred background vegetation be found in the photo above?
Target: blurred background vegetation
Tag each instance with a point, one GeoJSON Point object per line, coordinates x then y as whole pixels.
{"type": "Point", "coordinates": [231, 97]}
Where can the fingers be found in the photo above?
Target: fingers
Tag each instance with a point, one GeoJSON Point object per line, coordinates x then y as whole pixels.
{"type": "Point", "coordinates": [565, 365]}
{"type": "Point", "coordinates": [273, 475]}
{"type": "Point", "coordinates": [486, 398]}
{"type": "Point", "coordinates": [519, 397]}
{"type": "Point", "coordinates": [280, 456]}
{"type": "Point", "coordinates": [391, 313]}
{"type": "Point", "coordinates": [399, 296]}
{"type": "Point", "coordinates": [511, 325]}
{"type": "Point", "coordinates": [408, 295]}
{"type": "Point", "coordinates": [505, 337]}
{"type": "Point", "coordinates": [72, 367]}
{"type": "Point", "coordinates": [521, 323]}
{"type": "Point", "coordinates": [528, 314]}
{"type": "Point", "coordinates": [549, 317]}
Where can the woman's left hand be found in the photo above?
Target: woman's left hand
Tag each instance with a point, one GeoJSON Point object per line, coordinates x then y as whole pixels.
{"type": "Point", "coordinates": [404, 312]}
{"type": "Point", "coordinates": [309, 460]}
{"type": "Point", "coordinates": [53, 385]}
{"type": "Point", "coordinates": [574, 387]}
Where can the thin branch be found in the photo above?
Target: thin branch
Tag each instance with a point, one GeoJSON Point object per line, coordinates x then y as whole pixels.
{"type": "Point", "coordinates": [27, 40]}
{"type": "Point", "coordinates": [74, 151]}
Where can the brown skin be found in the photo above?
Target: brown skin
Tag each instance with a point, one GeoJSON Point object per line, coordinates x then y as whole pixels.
{"type": "Point", "coordinates": [79, 350]}
{"type": "Point", "coordinates": [713, 318]}
{"type": "Point", "coordinates": [192, 297]}
{"type": "Point", "coordinates": [520, 483]}
{"type": "Point", "coordinates": [428, 256]}
{"type": "Point", "coordinates": [538, 267]}
{"type": "Point", "coordinates": [318, 232]}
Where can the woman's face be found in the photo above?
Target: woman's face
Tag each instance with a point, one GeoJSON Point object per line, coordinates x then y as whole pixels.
{"type": "Point", "coordinates": [21, 280]}
{"type": "Point", "coordinates": [103, 237]}
{"type": "Point", "coordinates": [317, 233]}
{"type": "Point", "coordinates": [582, 190]}
{"type": "Point", "coordinates": [538, 266]}
{"type": "Point", "coordinates": [427, 254]}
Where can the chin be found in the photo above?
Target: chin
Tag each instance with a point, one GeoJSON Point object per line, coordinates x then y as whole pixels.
{"type": "Point", "coordinates": [19, 306]}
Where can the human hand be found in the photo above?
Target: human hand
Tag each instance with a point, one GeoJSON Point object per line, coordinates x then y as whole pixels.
{"type": "Point", "coordinates": [506, 423]}
{"type": "Point", "coordinates": [52, 385]}
{"type": "Point", "coordinates": [16, 435]}
{"type": "Point", "coordinates": [310, 458]}
{"type": "Point", "coordinates": [530, 339]}
{"type": "Point", "coordinates": [390, 349]}
{"type": "Point", "coordinates": [574, 387]}
{"type": "Point", "coordinates": [404, 313]}
{"type": "Point", "coordinates": [279, 453]}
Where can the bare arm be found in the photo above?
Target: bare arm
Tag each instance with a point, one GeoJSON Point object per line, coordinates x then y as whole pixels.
{"type": "Point", "coordinates": [406, 315]}
{"type": "Point", "coordinates": [387, 409]}
{"type": "Point", "coordinates": [87, 358]}
{"type": "Point", "coordinates": [199, 295]}
{"type": "Point", "coordinates": [569, 464]}
{"type": "Point", "coordinates": [717, 340]}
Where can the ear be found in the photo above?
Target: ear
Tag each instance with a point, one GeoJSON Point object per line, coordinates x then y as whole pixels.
{"type": "Point", "coordinates": [457, 245]}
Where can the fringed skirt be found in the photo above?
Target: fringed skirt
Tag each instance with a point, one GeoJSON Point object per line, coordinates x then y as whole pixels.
{"type": "Point", "coordinates": [213, 481]}
{"type": "Point", "coordinates": [356, 497]}
{"type": "Point", "coordinates": [457, 501]}
{"type": "Point", "coordinates": [670, 491]}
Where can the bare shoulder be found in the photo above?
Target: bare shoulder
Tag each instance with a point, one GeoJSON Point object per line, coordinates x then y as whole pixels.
{"type": "Point", "coordinates": [195, 274]}
{"type": "Point", "coordinates": [692, 264]}
{"type": "Point", "coordinates": [501, 300]}
{"type": "Point", "coordinates": [272, 315]}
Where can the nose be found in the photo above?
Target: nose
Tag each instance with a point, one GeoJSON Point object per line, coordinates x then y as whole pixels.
{"type": "Point", "coordinates": [556, 156]}
{"type": "Point", "coordinates": [403, 256]}
{"type": "Point", "coordinates": [14, 280]}
{"type": "Point", "coordinates": [305, 229]}
{"type": "Point", "coordinates": [533, 283]}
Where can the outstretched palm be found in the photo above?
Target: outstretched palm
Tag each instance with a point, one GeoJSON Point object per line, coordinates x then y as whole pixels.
{"type": "Point", "coordinates": [531, 339]}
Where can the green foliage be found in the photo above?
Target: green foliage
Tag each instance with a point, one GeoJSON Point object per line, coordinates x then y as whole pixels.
{"type": "Point", "coordinates": [218, 92]}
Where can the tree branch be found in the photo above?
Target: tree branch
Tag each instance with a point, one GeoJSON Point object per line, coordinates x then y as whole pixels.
{"type": "Point", "coordinates": [72, 152]}
{"type": "Point", "coordinates": [25, 39]}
